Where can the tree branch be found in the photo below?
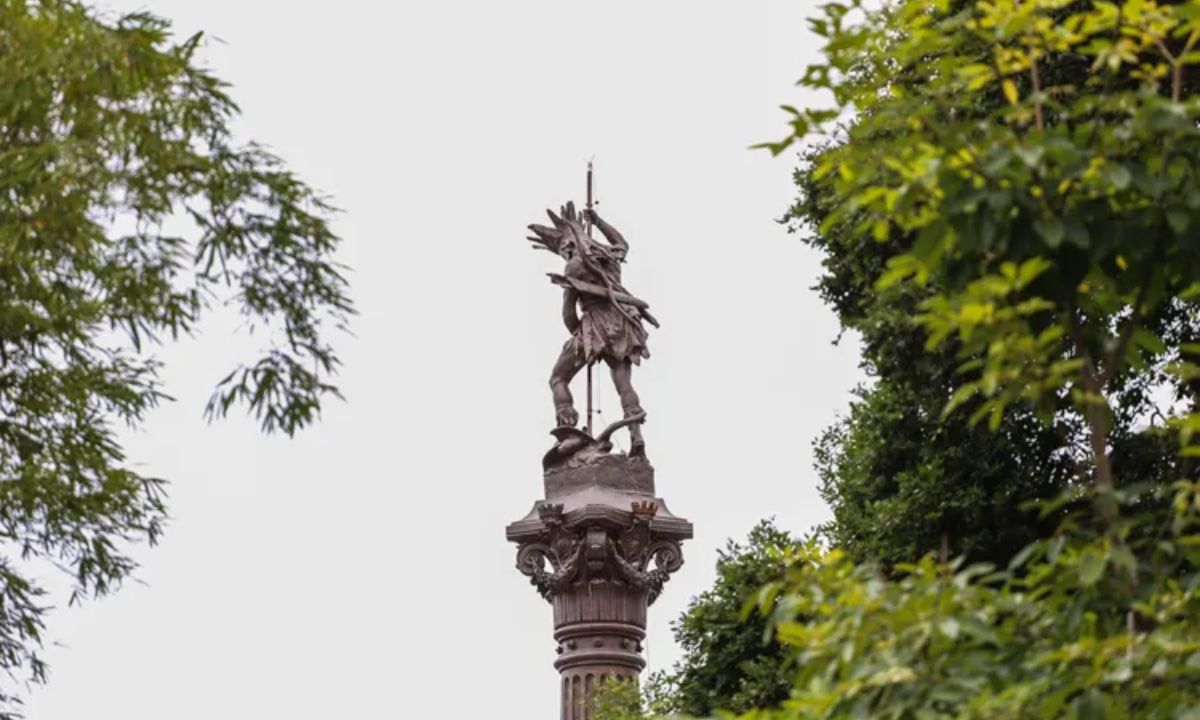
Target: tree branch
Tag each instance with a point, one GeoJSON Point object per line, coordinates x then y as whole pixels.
{"type": "Point", "coordinates": [1113, 362]}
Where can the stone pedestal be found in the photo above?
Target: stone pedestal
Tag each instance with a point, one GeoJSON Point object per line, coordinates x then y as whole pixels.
{"type": "Point", "coordinates": [598, 549]}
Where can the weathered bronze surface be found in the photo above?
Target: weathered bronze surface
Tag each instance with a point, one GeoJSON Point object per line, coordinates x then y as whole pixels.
{"type": "Point", "coordinates": [605, 320]}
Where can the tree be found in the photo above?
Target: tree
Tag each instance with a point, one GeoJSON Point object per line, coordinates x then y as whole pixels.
{"type": "Point", "coordinates": [898, 476]}
{"type": "Point", "coordinates": [937, 477]}
{"type": "Point", "coordinates": [617, 700]}
{"type": "Point", "coordinates": [727, 663]}
{"type": "Point", "coordinates": [1055, 251]}
{"type": "Point", "coordinates": [902, 481]}
{"type": "Point", "coordinates": [1067, 199]}
{"type": "Point", "coordinates": [947, 641]}
{"type": "Point", "coordinates": [1053, 236]}
{"type": "Point", "coordinates": [112, 136]}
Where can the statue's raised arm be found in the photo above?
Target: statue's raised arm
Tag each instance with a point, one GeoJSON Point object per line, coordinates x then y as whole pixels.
{"type": "Point", "coordinates": [615, 239]}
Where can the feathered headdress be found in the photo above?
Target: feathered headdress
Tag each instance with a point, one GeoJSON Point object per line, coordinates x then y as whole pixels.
{"type": "Point", "coordinates": [568, 232]}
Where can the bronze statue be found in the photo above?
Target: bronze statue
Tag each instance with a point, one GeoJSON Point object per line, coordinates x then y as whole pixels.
{"type": "Point", "coordinates": [605, 320]}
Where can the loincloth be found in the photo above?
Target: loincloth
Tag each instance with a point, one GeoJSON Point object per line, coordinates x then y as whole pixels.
{"type": "Point", "coordinates": [604, 332]}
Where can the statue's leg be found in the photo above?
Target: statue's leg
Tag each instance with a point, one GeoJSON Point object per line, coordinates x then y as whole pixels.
{"type": "Point", "coordinates": [622, 375]}
{"type": "Point", "coordinates": [570, 362]}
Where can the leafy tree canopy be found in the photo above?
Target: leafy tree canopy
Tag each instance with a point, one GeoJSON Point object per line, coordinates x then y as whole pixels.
{"type": "Point", "coordinates": [900, 478]}
{"type": "Point", "coordinates": [939, 478]}
{"type": "Point", "coordinates": [126, 211]}
{"type": "Point", "coordinates": [1058, 224]}
{"type": "Point", "coordinates": [903, 481]}
{"type": "Point", "coordinates": [728, 661]}
{"type": "Point", "coordinates": [1054, 222]}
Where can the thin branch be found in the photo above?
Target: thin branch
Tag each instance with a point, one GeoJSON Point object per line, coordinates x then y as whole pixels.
{"type": "Point", "coordinates": [1176, 70]}
{"type": "Point", "coordinates": [1095, 407]}
{"type": "Point", "coordinates": [1076, 332]}
{"type": "Point", "coordinates": [1036, 80]}
{"type": "Point", "coordinates": [1113, 362]}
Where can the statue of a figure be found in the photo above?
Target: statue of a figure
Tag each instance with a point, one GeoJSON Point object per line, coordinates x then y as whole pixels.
{"type": "Point", "coordinates": [604, 319]}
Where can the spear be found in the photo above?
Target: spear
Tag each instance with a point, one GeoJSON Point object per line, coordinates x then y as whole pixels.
{"type": "Point", "coordinates": [587, 220]}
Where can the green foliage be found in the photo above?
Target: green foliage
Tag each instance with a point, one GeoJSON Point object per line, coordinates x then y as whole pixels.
{"type": "Point", "coordinates": [1027, 172]}
{"type": "Point", "coordinates": [1057, 226]}
{"type": "Point", "coordinates": [619, 700]}
{"type": "Point", "coordinates": [898, 476]}
{"type": "Point", "coordinates": [941, 478]}
{"type": "Point", "coordinates": [1046, 639]}
{"type": "Point", "coordinates": [126, 211]}
{"type": "Point", "coordinates": [900, 479]}
{"type": "Point", "coordinates": [728, 664]}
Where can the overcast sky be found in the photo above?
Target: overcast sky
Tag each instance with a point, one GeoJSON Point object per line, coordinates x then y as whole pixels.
{"type": "Point", "coordinates": [360, 570]}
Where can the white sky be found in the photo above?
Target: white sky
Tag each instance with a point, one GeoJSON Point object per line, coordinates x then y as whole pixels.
{"type": "Point", "coordinates": [361, 571]}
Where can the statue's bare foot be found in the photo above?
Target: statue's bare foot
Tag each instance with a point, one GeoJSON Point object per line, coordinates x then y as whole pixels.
{"type": "Point", "coordinates": [638, 449]}
{"type": "Point", "coordinates": [566, 416]}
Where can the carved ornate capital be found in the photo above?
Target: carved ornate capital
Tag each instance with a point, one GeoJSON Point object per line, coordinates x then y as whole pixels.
{"type": "Point", "coordinates": [627, 554]}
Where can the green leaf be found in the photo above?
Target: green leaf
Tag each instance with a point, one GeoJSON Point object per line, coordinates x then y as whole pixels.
{"type": "Point", "coordinates": [961, 395]}
{"type": "Point", "coordinates": [1031, 155]}
{"type": "Point", "coordinates": [1143, 338]}
{"type": "Point", "coordinates": [1091, 568]}
{"type": "Point", "coordinates": [1051, 230]}
{"type": "Point", "coordinates": [949, 627]}
{"type": "Point", "coordinates": [1032, 269]}
{"type": "Point", "coordinates": [1117, 175]}
{"type": "Point", "coordinates": [899, 268]}
{"type": "Point", "coordinates": [1010, 91]}
{"type": "Point", "coordinates": [1178, 220]}
{"type": "Point", "coordinates": [996, 416]}
{"type": "Point", "coordinates": [1123, 559]}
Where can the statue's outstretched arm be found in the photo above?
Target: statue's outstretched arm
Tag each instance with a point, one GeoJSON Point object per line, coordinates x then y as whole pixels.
{"type": "Point", "coordinates": [569, 313]}
{"type": "Point", "coordinates": [610, 233]}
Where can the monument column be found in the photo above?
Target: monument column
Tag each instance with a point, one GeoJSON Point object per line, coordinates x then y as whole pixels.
{"type": "Point", "coordinates": [600, 543]}
{"type": "Point", "coordinates": [599, 549]}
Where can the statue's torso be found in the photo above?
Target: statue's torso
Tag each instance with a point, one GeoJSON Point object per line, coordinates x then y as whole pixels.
{"type": "Point", "coordinates": [578, 270]}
